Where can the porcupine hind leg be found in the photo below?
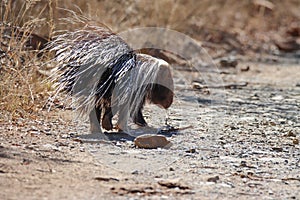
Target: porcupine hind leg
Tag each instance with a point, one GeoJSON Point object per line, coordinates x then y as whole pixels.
{"type": "Point", "coordinates": [107, 119]}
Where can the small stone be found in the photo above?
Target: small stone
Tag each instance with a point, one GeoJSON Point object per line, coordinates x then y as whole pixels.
{"type": "Point", "coordinates": [282, 121]}
{"type": "Point", "coordinates": [64, 136]}
{"type": "Point", "coordinates": [49, 147]}
{"type": "Point", "coordinates": [200, 86]}
{"type": "Point", "coordinates": [173, 183]}
{"type": "Point", "coordinates": [82, 149]}
{"type": "Point", "coordinates": [243, 163]}
{"type": "Point", "coordinates": [213, 179]}
{"type": "Point", "coordinates": [277, 98]}
{"type": "Point", "coordinates": [152, 141]}
{"type": "Point", "coordinates": [247, 68]}
{"type": "Point", "coordinates": [295, 141]}
{"type": "Point", "coordinates": [34, 133]}
{"type": "Point", "coordinates": [26, 161]}
{"type": "Point", "coordinates": [272, 123]}
{"type": "Point", "coordinates": [271, 192]}
{"type": "Point", "coordinates": [228, 62]}
{"type": "Point", "coordinates": [290, 134]}
{"type": "Point", "coordinates": [288, 45]}
{"type": "Point", "coordinates": [191, 150]}
{"type": "Point", "coordinates": [106, 179]}
{"type": "Point", "coordinates": [278, 149]}
{"type": "Point", "coordinates": [33, 128]}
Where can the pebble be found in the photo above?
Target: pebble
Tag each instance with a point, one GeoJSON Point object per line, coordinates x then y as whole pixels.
{"type": "Point", "coordinates": [192, 150]}
{"type": "Point", "coordinates": [228, 62]}
{"type": "Point", "coordinates": [213, 179]}
{"type": "Point", "coordinates": [173, 183]}
{"type": "Point", "coordinates": [295, 141]}
{"type": "Point", "coordinates": [277, 98]}
{"type": "Point", "coordinates": [152, 141]}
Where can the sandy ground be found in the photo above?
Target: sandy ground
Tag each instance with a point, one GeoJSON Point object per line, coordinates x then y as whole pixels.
{"type": "Point", "coordinates": [242, 143]}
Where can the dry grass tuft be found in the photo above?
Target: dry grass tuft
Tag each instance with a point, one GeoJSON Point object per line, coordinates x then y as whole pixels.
{"type": "Point", "coordinates": [22, 89]}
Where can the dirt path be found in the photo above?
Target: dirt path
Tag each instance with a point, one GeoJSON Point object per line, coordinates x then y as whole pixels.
{"type": "Point", "coordinates": [244, 143]}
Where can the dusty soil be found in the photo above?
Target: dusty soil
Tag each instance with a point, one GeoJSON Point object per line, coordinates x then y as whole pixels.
{"type": "Point", "coordinates": [242, 142]}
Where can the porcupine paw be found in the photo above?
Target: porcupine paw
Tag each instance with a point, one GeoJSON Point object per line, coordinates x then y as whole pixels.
{"type": "Point", "coordinates": [106, 123]}
{"type": "Point", "coordinates": [140, 121]}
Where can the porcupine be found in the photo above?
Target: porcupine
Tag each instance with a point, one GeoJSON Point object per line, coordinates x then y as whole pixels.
{"type": "Point", "coordinates": [101, 72]}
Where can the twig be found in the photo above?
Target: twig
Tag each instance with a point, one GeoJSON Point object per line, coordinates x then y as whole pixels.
{"type": "Point", "coordinates": [170, 129]}
{"type": "Point", "coordinates": [261, 178]}
{"type": "Point", "coordinates": [199, 86]}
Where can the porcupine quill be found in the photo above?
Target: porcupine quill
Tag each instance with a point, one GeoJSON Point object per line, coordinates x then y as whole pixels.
{"type": "Point", "coordinates": [101, 72]}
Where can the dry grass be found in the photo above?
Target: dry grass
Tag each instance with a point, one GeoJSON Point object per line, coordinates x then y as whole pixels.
{"type": "Point", "coordinates": [180, 15]}
{"type": "Point", "coordinates": [22, 89]}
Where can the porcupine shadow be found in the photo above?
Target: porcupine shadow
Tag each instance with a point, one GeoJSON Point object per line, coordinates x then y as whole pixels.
{"type": "Point", "coordinates": [102, 73]}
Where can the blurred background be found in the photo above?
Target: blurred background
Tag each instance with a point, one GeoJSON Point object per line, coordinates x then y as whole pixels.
{"type": "Point", "coordinates": [242, 26]}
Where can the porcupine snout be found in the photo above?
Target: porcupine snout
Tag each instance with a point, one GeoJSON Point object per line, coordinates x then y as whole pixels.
{"type": "Point", "coordinates": [161, 96]}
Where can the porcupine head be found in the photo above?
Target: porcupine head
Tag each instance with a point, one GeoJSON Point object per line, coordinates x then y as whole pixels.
{"type": "Point", "coordinates": [161, 90]}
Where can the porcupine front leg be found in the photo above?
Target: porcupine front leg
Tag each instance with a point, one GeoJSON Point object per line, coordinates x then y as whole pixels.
{"type": "Point", "coordinates": [138, 117]}
{"type": "Point", "coordinates": [123, 118]}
